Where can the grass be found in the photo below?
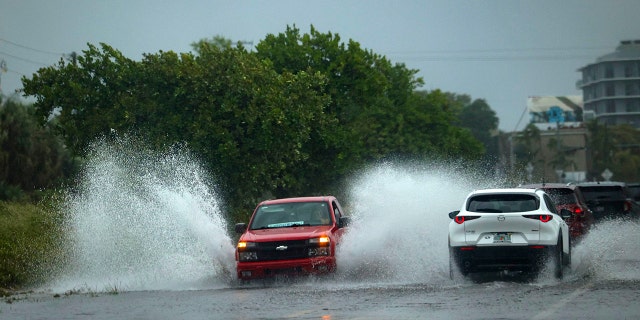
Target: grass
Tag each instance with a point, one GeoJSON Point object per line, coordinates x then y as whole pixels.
{"type": "Point", "coordinates": [31, 245]}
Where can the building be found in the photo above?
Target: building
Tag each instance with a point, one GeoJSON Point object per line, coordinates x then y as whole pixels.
{"type": "Point", "coordinates": [563, 138]}
{"type": "Point", "coordinates": [611, 86]}
{"type": "Point", "coordinates": [548, 112]}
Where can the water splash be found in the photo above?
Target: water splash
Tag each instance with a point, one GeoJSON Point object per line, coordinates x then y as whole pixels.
{"type": "Point", "coordinates": [400, 227]}
{"type": "Point", "coordinates": [609, 252]}
{"type": "Point", "coordinates": [143, 221]}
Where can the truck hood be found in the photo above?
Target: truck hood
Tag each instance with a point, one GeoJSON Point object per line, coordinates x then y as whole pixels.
{"type": "Point", "coordinates": [282, 234]}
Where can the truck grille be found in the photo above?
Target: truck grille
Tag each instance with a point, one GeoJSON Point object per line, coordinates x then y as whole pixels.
{"type": "Point", "coordinates": [282, 250]}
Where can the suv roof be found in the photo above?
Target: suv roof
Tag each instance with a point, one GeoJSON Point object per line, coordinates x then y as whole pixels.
{"type": "Point", "coordinates": [601, 183]}
{"type": "Point", "coordinates": [504, 190]}
{"type": "Point", "coordinates": [546, 185]}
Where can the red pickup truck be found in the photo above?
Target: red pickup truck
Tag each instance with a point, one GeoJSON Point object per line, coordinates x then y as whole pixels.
{"type": "Point", "coordinates": [289, 237]}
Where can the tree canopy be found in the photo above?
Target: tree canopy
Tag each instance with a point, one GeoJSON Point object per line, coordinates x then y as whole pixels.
{"type": "Point", "coordinates": [290, 118]}
{"type": "Point", "coordinates": [31, 157]}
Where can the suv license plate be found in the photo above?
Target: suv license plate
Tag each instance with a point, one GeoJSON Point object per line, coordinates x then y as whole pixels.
{"type": "Point", "coordinates": [501, 237]}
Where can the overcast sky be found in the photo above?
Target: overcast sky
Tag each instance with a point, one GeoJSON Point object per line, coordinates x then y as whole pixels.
{"type": "Point", "coordinates": [502, 51]}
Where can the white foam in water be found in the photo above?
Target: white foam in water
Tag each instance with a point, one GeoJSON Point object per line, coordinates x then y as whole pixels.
{"type": "Point", "coordinates": [141, 221]}
{"type": "Point", "coordinates": [609, 252]}
{"type": "Point", "coordinates": [399, 232]}
{"type": "Point", "coordinates": [400, 223]}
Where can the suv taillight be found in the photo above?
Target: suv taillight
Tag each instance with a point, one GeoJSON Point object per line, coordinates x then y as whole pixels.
{"type": "Point", "coordinates": [541, 217]}
{"type": "Point", "coordinates": [578, 211]}
{"type": "Point", "coordinates": [462, 219]}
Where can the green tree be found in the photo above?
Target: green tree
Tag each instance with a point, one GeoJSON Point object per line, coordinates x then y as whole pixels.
{"type": "Point", "coordinates": [217, 41]}
{"type": "Point", "coordinates": [31, 157]}
{"type": "Point", "coordinates": [291, 118]}
{"type": "Point", "coordinates": [482, 121]}
{"type": "Point", "coordinates": [88, 97]}
{"type": "Point", "coordinates": [376, 110]}
{"type": "Point", "coordinates": [249, 124]}
{"type": "Point", "coordinates": [616, 148]}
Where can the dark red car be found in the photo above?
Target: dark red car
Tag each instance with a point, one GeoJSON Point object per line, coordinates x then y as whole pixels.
{"type": "Point", "coordinates": [567, 196]}
{"type": "Point", "coordinates": [290, 236]}
{"type": "Point", "coordinates": [609, 200]}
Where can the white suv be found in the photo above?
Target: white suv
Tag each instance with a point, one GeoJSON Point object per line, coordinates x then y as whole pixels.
{"type": "Point", "coordinates": [508, 229]}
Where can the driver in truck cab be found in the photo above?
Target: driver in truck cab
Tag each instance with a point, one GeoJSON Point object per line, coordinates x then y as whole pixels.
{"type": "Point", "coordinates": [320, 216]}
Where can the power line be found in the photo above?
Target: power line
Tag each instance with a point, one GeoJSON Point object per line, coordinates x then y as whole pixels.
{"type": "Point", "coordinates": [533, 49]}
{"type": "Point", "coordinates": [500, 54]}
{"type": "Point", "coordinates": [23, 59]}
{"type": "Point", "coordinates": [497, 58]}
{"type": "Point", "coordinates": [29, 48]}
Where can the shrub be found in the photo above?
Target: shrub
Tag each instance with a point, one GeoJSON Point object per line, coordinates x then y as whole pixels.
{"type": "Point", "coordinates": [31, 244]}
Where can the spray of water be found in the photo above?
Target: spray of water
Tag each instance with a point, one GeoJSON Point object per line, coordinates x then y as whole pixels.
{"type": "Point", "coordinates": [143, 221]}
{"type": "Point", "coordinates": [400, 227]}
{"type": "Point", "coordinates": [399, 232]}
{"type": "Point", "coordinates": [609, 252]}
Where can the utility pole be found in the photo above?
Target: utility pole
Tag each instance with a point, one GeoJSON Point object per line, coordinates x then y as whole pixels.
{"type": "Point", "coordinates": [3, 68]}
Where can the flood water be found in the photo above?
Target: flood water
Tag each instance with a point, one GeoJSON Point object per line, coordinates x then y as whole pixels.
{"type": "Point", "coordinates": [144, 221]}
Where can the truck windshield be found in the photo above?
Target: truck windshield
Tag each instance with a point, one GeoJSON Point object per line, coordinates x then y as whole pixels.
{"type": "Point", "coordinates": [284, 215]}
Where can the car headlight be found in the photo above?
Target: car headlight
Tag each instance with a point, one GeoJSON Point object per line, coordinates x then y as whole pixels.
{"type": "Point", "coordinates": [244, 253]}
{"type": "Point", "coordinates": [320, 251]}
{"type": "Point", "coordinates": [323, 246]}
{"type": "Point", "coordinates": [247, 256]}
{"type": "Point", "coordinates": [245, 245]}
{"type": "Point", "coordinates": [320, 241]}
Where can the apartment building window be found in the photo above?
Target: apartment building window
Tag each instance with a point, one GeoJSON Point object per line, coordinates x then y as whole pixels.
{"type": "Point", "coordinates": [597, 91]}
{"type": "Point", "coordinates": [633, 105]}
{"type": "Point", "coordinates": [608, 71]}
{"type": "Point", "coordinates": [630, 89]}
{"type": "Point", "coordinates": [611, 106]}
{"type": "Point", "coordinates": [629, 69]}
{"type": "Point", "coordinates": [610, 90]}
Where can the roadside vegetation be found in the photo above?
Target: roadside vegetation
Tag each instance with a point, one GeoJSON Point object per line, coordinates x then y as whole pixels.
{"type": "Point", "coordinates": [31, 246]}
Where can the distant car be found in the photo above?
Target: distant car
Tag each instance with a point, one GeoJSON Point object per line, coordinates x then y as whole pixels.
{"type": "Point", "coordinates": [609, 200]}
{"type": "Point", "coordinates": [292, 236]}
{"type": "Point", "coordinates": [508, 229]}
{"type": "Point", "coordinates": [567, 196]}
{"type": "Point", "coordinates": [634, 191]}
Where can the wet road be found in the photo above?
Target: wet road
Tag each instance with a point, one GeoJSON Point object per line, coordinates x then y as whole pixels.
{"type": "Point", "coordinates": [328, 299]}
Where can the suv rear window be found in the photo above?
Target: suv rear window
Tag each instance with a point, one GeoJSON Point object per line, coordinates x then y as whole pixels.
{"type": "Point", "coordinates": [561, 196]}
{"type": "Point", "coordinates": [603, 192]}
{"type": "Point", "coordinates": [503, 203]}
{"type": "Point", "coordinates": [634, 191]}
